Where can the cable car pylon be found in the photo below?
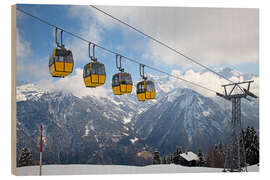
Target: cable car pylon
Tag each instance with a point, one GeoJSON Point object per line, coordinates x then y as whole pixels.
{"type": "Point", "coordinates": [235, 157]}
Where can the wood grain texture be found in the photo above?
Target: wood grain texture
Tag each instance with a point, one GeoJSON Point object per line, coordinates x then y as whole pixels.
{"type": "Point", "coordinates": [13, 88]}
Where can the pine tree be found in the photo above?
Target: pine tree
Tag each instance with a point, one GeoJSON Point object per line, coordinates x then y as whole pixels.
{"type": "Point", "coordinates": [174, 158]}
{"type": "Point", "coordinates": [156, 158]}
{"type": "Point", "coordinates": [179, 150]}
{"type": "Point", "coordinates": [171, 157]}
{"type": "Point", "coordinates": [187, 150]}
{"type": "Point", "coordinates": [201, 158]}
{"type": "Point", "coordinates": [168, 159]}
{"type": "Point", "coordinates": [164, 160]}
{"type": "Point", "coordinates": [221, 152]}
{"type": "Point", "coordinates": [251, 145]}
{"type": "Point", "coordinates": [215, 156]}
{"type": "Point", "coordinates": [26, 158]}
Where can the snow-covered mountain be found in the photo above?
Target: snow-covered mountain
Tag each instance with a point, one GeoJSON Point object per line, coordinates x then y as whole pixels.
{"type": "Point", "coordinates": [26, 91]}
{"type": "Point", "coordinates": [78, 130]}
{"type": "Point", "coordinates": [185, 118]}
{"type": "Point", "coordinates": [229, 73]}
{"type": "Point", "coordinates": [94, 126]}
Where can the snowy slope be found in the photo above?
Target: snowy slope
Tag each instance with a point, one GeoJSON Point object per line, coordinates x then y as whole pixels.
{"type": "Point", "coordinates": [113, 169]}
{"type": "Point", "coordinates": [28, 91]}
{"type": "Point", "coordinates": [183, 117]}
{"type": "Point", "coordinates": [77, 130]}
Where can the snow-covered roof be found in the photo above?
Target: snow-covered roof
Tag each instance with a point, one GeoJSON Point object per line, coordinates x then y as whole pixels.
{"type": "Point", "coordinates": [189, 156]}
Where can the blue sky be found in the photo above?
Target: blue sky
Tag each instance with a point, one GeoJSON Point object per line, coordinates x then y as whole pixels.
{"type": "Point", "coordinates": [36, 40]}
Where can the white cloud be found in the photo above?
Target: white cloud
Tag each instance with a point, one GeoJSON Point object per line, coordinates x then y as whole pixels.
{"type": "Point", "coordinates": [73, 84]}
{"type": "Point", "coordinates": [80, 48]}
{"type": "Point", "coordinates": [23, 48]}
{"type": "Point", "coordinates": [90, 30]}
{"type": "Point", "coordinates": [32, 70]}
{"type": "Point", "coordinates": [211, 35]}
{"type": "Point", "coordinates": [19, 16]}
{"type": "Point", "coordinates": [206, 79]}
{"type": "Point", "coordinates": [27, 66]}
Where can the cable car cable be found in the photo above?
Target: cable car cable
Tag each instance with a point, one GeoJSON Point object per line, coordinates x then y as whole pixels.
{"type": "Point", "coordinates": [163, 44]}
{"type": "Point", "coordinates": [112, 52]}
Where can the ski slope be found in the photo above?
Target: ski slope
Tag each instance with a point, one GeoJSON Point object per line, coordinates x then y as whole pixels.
{"type": "Point", "coordinates": [116, 169]}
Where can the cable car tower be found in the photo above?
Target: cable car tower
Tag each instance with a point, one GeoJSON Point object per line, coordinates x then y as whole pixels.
{"type": "Point", "coordinates": [235, 156]}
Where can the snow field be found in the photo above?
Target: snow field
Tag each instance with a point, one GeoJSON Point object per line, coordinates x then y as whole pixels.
{"type": "Point", "coordinates": [116, 169]}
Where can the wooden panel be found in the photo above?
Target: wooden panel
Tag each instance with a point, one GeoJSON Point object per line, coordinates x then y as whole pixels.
{"type": "Point", "coordinates": [13, 88]}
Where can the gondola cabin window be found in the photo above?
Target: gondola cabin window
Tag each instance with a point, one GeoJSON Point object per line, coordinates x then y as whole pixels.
{"type": "Point", "coordinates": [126, 78]}
{"type": "Point", "coordinates": [116, 80]}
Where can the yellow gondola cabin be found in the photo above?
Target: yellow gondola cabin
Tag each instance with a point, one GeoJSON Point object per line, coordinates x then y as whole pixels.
{"type": "Point", "coordinates": [94, 74]}
{"type": "Point", "coordinates": [122, 83]}
{"type": "Point", "coordinates": [61, 62]}
{"type": "Point", "coordinates": [146, 90]}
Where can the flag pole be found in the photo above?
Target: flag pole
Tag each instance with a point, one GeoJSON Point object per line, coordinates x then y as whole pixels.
{"type": "Point", "coordinates": [40, 153]}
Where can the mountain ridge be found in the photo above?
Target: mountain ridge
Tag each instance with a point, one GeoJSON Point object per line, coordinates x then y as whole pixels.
{"type": "Point", "coordinates": [100, 125]}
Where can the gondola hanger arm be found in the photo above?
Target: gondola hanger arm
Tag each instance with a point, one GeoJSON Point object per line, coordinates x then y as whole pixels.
{"type": "Point", "coordinates": [57, 43]}
{"type": "Point", "coordinates": [120, 62]}
{"type": "Point", "coordinates": [142, 71]}
{"type": "Point", "coordinates": [61, 39]}
{"type": "Point", "coordinates": [62, 46]}
{"type": "Point", "coordinates": [92, 57]}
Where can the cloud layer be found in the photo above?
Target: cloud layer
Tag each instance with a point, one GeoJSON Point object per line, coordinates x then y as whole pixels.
{"type": "Point", "coordinates": [23, 48]}
{"type": "Point", "coordinates": [73, 84]}
{"type": "Point", "coordinates": [90, 30]}
{"type": "Point", "coordinates": [205, 79]}
{"type": "Point", "coordinates": [27, 65]}
{"type": "Point", "coordinates": [213, 36]}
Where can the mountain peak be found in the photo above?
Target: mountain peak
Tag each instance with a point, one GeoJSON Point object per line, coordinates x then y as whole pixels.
{"type": "Point", "coordinates": [176, 93]}
{"type": "Point", "coordinates": [228, 72]}
{"type": "Point", "coordinates": [27, 90]}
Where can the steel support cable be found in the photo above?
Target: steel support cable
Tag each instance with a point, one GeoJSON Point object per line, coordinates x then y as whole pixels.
{"type": "Point", "coordinates": [164, 44]}
{"type": "Point", "coordinates": [112, 52]}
